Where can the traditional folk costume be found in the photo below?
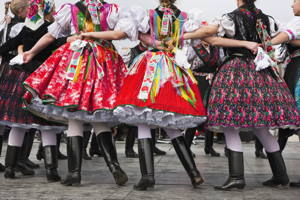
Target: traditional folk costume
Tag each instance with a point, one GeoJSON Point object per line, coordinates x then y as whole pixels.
{"type": "Point", "coordinates": [8, 31]}
{"type": "Point", "coordinates": [159, 92]}
{"type": "Point", "coordinates": [242, 98]}
{"type": "Point", "coordinates": [292, 78]}
{"type": "Point", "coordinates": [205, 61]}
{"type": "Point", "coordinates": [12, 92]}
{"type": "Point", "coordinates": [81, 80]}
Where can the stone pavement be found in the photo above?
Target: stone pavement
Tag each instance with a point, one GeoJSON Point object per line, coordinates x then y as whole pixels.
{"type": "Point", "coordinates": [171, 180]}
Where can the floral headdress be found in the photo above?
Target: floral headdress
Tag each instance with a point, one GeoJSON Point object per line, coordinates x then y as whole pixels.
{"type": "Point", "coordinates": [36, 13]}
{"type": "Point", "coordinates": [93, 7]}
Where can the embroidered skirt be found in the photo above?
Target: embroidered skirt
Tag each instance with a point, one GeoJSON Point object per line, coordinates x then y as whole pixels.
{"type": "Point", "coordinates": [244, 99]}
{"type": "Point", "coordinates": [158, 92]}
{"type": "Point", "coordinates": [79, 84]}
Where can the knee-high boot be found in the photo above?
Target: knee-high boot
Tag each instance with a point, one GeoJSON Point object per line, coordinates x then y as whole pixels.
{"type": "Point", "coordinates": [21, 164]}
{"type": "Point", "coordinates": [11, 158]}
{"type": "Point", "coordinates": [259, 149]}
{"type": "Point", "coordinates": [2, 168]}
{"type": "Point", "coordinates": [185, 156]}
{"type": "Point", "coordinates": [27, 147]}
{"type": "Point", "coordinates": [60, 155]}
{"type": "Point", "coordinates": [280, 177]}
{"type": "Point", "coordinates": [156, 150]}
{"type": "Point", "coordinates": [51, 163]}
{"type": "Point", "coordinates": [209, 142]}
{"type": "Point", "coordinates": [189, 136]}
{"type": "Point", "coordinates": [236, 171]}
{"type": "Point", "coordinates": [86, 138]}
{"type": "Point", "coordinates": [145, 150]}
{"type": "Point", "coordinates": [283, 136]}
{"type": "Point", "coordinates": [107, 144]}
{"type": "Point", "coordinates": [95, 149]}
{"type": "Point", "coordinates": [130, 139]}
{"type": "Point", "coordinates": [74, 152]}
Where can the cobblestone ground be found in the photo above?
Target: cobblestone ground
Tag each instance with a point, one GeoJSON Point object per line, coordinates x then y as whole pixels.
{"type": "Point", "coordinates": [171, 179]}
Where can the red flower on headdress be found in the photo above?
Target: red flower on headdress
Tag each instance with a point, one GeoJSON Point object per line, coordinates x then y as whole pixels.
{"type": "Point", "coordinates": [33, 10]}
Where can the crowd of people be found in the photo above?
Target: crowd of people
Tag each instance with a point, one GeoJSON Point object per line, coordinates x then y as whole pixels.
{"type": "Point", "coordinates": [61, 72]}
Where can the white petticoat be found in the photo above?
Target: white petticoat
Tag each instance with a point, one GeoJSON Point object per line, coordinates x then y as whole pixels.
{"type": "Point", "coordinates": [134, 115]}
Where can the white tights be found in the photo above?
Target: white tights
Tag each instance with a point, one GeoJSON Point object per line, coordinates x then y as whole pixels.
{"type": "Point", "coordinates": [233, 140]}
{"type": "Point", "coordinates": [16, 137]}
{"type": "Point", "coordinates": [76, 128]}
{"type": "Point", "coordinates": [144, 131]}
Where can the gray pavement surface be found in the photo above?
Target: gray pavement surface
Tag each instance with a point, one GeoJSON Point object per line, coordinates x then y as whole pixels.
{"type": "Point", "coordinates": [172, 181]}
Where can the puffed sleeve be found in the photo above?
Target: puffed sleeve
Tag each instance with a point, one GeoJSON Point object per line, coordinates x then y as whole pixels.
{"type": "Point", "coordinates": [141, 18]}
{"type": "Point", "coordinates": [16, 29]}
{"type": "Point", "coordinates": [61, 27]}
{"type": "Point", "coordinates": [293, 28]}
{"type": "Point", "coordinates": [131, 21]}
{"type": "Point", "coordinates": [195, 20]}
{"type": "Point", "coordinates": [226, 26]}
{"type": "Point", "coordinates": [275, 27]}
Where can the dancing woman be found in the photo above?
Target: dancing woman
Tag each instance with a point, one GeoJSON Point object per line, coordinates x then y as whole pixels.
{"type": "Point", "coordinates": [80, 81]}
{"type": "Point", "coordinates": [242, 98]}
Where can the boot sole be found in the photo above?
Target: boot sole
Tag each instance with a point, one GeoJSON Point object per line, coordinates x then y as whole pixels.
{"type": "Point", "coordinates": [120, 178]}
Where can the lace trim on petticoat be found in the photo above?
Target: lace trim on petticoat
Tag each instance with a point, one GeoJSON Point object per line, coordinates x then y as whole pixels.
{"type": "Point", "coordinates": [62, 114]}
{"type": "Point", "coordinates": [135, 115]}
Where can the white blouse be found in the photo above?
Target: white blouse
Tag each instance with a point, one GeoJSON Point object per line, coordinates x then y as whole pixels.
{"type": "Point", "coordinates": [117, 20]}
{"type": "Point", "coordinates": [227, 26]}
{"type": "Point", "coordinates": [293, 28]}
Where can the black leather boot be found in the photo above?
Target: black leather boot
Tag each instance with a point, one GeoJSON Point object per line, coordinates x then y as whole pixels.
{"type": "Point", "coordinates": [209, 142]}
{"type": "Point", "coordinates": [11, 158]}
{"type": "Point", "coordinates": [156, 150]}
{"type": "Point", "coordinates": [74, 152]}
{"type": "Point", "coordinates": [51, 163]}
{"type": "Point", "coordinates": [95, 149]}
{"type": "Point", "coordinates": [259, 153]}
{"type": "Point", "coordinates": [295, 184]}
{"type": "Point", "coordinates": [236, 171]}
{"type": "Point", "coordinates": [283, 136]}
{"type": "Point", "coordinates": [107, 144]}
{"type": "Point", "coordinates": [40, 152]}
{"type": "Point", "coordinates": [26, 149]}
{"type": "Point", "coordinates": [2, 168]}
{"type": "Point", "coordinates": [189, 136]}
{"type": "Point", "coordinates": [130, 139]}
{"type": "Point", "coordinates": [145, 149]}
{"type": "Point", "coordinates": [60, 155]}
{"type": "Point", "coordinates": [21, 164]}
{"type": "Point", "coordinates": [185, 156]}
{"type": "Point", "coordinates": [86, 138]}
{"type": "Point", "coordinates": [280, 177]}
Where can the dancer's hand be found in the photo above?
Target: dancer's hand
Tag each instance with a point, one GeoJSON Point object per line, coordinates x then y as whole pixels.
{"type": "Point", "coordinates": [74, 38]}
{"type": "Point", "coordinates": [27, 56]}
{"type": "Point", "coordinates": [252, 46]}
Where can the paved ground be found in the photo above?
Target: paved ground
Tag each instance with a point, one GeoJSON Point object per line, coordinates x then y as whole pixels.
{"type": "Point", "coordinates": [172, 181]}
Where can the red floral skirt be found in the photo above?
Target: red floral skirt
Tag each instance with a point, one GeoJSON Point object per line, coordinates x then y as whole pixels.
{"type": "Point", "coordinates": [173, 99]}
{"type": "Point", "coordinates": [86, 90]}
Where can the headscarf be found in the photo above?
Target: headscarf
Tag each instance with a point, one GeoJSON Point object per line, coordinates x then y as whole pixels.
{"type": "Point", "coordinates": [93, 7]}
{"type": "Point", "coordinates": [38, 9]}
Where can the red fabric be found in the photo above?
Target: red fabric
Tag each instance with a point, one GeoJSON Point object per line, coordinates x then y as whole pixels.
{"type": "Point", "coordinates": [89, 92]}
{"type": "Point", "coordinates": [166, 100]}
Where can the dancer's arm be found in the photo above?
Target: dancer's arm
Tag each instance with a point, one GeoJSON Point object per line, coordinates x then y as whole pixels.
{"type": "Point", "coordinates": [280, 38]}
{"type": "Point", "coordinates": [38, 47]}
{"type": "Point", "coordinates": [204, 31]}
{"type": "Point", "coordinates": [225, 42]}
{"type": "Point", "coordinates": [105, 35]}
